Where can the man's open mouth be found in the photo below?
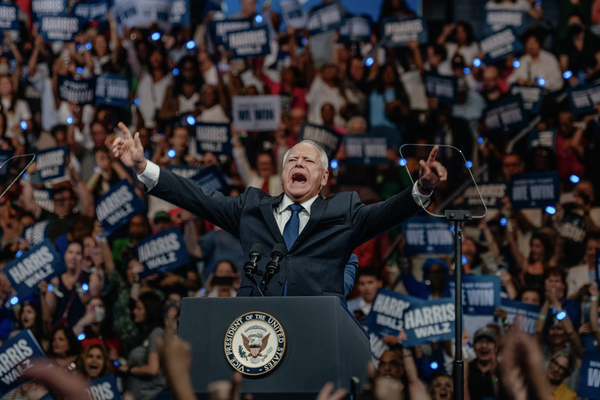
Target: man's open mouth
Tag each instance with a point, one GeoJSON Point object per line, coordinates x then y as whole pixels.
{"type": "Point", "coordinates": [298, 178]}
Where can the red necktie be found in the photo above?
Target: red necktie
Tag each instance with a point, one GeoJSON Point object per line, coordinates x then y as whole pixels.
{"type": "Point", "coordinates": [265, 185]}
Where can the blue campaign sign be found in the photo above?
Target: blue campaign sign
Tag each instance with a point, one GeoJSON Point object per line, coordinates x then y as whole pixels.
{"type": "Point", "coordinates": [583, 98]}
{"type": "Point", "coordinates": [59, 28]}
{"type": "Point", "coordinates": [324, 17]}
{"type": "Point", "coordinates": [213, 138]}
{"type": "Point", "coordinates": [17, 355]}
{"type": "Point", "coordinates": [253, 42]}
{"type": "Point", "coordinates": [441, 87]}
{"type": "Point", "coordinates": [387, 314]}
{"type": "Point", "coordinates": [211, 179]}
{"type": "Point", "coordinates": [505, 116]}
{"type": "Point", "coordinates": [219, 29]}
{"type": "Point", "coordinates": [180, 13]}
{"type": "Point", "coordinates": [428, 235]}
{"type": "Point", "coordinates": [162, 252]}
{"type": "Point", "coordinates": [534, 190]}
{"type": "Point", "coordinates": [78, 91]}
{"type": "Point", "coordinates": [491, 192]}
{"type": "Point", "coordinates": [36, 233]}
{"type": "Point", "coordinates": [536, 138]}
{"type": "Point", "coordinates": [497, 20]}
{"type": "Point", "coordinates": [116, 207]}
{"type": "Point", "coordinates": [185, 171]}
{"type": "Point", "coordinates": [327, 138]}
{"type": "Point", "coordinates": [366, 149]}
{"type": "Point", "coordinates": [43, 198]}
{"type": "Point", "coordinates": [293, 13]}
{"type": "Point", "coordinates": [5, 155]}
{"type": "Point", "coordinates": [39, 263]}
{"type": "Point", "coordinates": [573, 227]}
{"type": "Point", "coordinates": [51, 163]}
{"type": "Point", "coordinates": [40, 8]}
{"type": "Point", "coordinates": [355, 28]}
{"type": "Point", "coordinates": [429, 321]}
{"type": "Point", "coordinates": [524, 314]}
{"type": "Point", "coordinates": [499, 45]}
{"type": "Point", "coordinates": [397, 32]}
{"type": "Point", "coordinates": [589, 375]}
{"type": "Point", "coordinates": [113, 90]}
{"type": "Point", "coordinates": [532, 97]}
{"type": "Point", "coordinates": [104, 388]}
{"type": "Point", "coordinates": [91, 10]}
{"type": "Point", "coordinates": [9, 17]}
{"type": "Point", "coordinates": [480, 293]}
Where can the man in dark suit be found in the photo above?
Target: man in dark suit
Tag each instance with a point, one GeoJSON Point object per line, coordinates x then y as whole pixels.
{"type": "Point", "coordinates": [319, 234]}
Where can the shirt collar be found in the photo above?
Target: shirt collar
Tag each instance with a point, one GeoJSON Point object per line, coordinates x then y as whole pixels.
{"type": "Point", "coordinates": [286, 201]}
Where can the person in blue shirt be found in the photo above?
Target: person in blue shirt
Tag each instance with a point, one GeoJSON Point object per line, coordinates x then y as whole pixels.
{"type": "Point", "coordinates": [433, 285]}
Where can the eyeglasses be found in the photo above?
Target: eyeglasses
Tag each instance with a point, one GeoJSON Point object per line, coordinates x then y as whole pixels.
{"type": "Point", "coordinates": [563, 370]}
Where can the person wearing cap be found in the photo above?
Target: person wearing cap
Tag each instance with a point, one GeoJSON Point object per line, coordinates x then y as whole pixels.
{"type": "Point", "coordinates": [162, 221]}
{"type": "Point", "coordinates": [562, 365]}
{"type": "Point", "coordinates": [482, 371]}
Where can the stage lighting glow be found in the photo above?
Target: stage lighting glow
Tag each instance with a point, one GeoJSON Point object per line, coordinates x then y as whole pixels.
{"type": "Point", "coordinates": [551, 210]}
{"type": "Point", "coordinates": [516, 64]}
{"type": "Point", "coordinates": [333, 164]}
{"type": "Point", "coordinates": [567, 74]}
{"type": "Point", "coordinates": [574, 178]}
{"type": "Point", "coordinates": [476, 62]}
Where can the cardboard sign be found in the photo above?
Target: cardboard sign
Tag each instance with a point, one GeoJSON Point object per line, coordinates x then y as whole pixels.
{"type": "Point", "coordinates": [387, 314]}
{"type": "Point", "coordinates": [252, 42]}
{"type": "Point", "coordinates": [59, 28]}
{"type": "Point", "coordinates": [104, 388]}
{"type": "Point", "coordinates": [367, 149]}
{"type": "Point", "coordinates": [91, 10]}
{"type": "Point", "coordinates": [36, 233]}
{"type": "Point", "coordinates": [492, 193]}
{"type": "Point", "coordinates": [535, 190]}
{"type": "Point", "coordinates": [498, 46]}
{"type": "Point", "coordinates": [180, 13]}
{"type": "Point", "coordinates": [398, 32]}
{"type": "Point", "coordinates": [211, 179]}
{"type": "Point", "coordinates": [213, 138]}
{"type": "Point", "coordinates": [583, 98]}
{"type": "Point", "coordinates": [43, 198]}
{"type": "Point", "coordinates": [116, 207]}
{"type": "Point", "coordinates": [9, 17]}
{"type": "Point", "coordinates": [40, 8]}
{"type": "Point", "coordinates": [51, 163]}
{"type": "Point", "coordinates": [532, 97]}
{"type": "Point", "coordinates": [441, 87]}
{"type": "Point", "coordinates": [219, 29]}
{"type": "Point", "coordinates": [323, 18]}
{"type": "Point", "coordinates": [162, 252]}
{"type": "Point", "coordinates": [327, 138]}
{"type": "Point", "coordinates": [429, 321]}
{"type": "Point", "coordinates": [256, 113]}
{"type": "Point", "coordinates": [525, 314]}
{"type": "Point", "coordinates": [113, 90]}
{"type": "Point", "coordinates": [17, 355]}
{"type": "Point", "coordinates": [536, 138]}
{"type": "Point", "coordinates": [293, 13]}
{"type": "Point", "coordinates": [480, 293]}
{"type": "Point", "coordinates": [589, 375]}
{"type": "Point", "coordinates": [573, 227]}
{"type": "Point", "coordinates": [78, 91]}
{"type": "Point", "coordinates": [497, 20]}
{"type": "Point", "coordinates": [428, 235]}
{"type": "Point", "coordinates": [505, 116]}
{"type": "Point", "coordinates": [356, 28]}
{"type": "Point", "coordinates": [39, 263]}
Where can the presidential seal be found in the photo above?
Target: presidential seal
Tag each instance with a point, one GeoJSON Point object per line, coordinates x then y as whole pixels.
{"type": "Point", "coordinates": [254, 343]}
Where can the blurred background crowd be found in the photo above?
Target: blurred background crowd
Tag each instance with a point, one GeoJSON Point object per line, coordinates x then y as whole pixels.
{"type": "Point", "coordinates": [99, 317]}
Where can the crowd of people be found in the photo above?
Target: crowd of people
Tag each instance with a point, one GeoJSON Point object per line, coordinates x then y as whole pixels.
{"type": "Point", "coordinates": [99, 317]}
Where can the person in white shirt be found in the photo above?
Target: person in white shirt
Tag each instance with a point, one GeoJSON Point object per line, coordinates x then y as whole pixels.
{"type": "Point", "coordinates": [266, 176]}
{"type": "Point", "coordinates": [368, 281]}
{"type": "Point", "coordinates": [153, 87]}
{"type": "Point", "coordinates": [326, 88]}
{"type": "Point", "coordinates": [585, 273]}
{"type": "Point", "coordinates": [459, 39]}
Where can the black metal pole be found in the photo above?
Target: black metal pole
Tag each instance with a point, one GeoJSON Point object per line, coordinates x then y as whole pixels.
{"type": "Point", "coordinates": [459, 372]}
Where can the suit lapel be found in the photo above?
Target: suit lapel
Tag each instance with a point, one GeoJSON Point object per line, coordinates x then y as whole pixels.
{"type": "Point", "coordinates": [266, 207]}
{"type": "Point", "coordinates": [316, 212]}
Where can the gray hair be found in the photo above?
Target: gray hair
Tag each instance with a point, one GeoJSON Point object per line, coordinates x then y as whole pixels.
{"type": "Point", "coordinates": [324, 158]}
{"type": "Point", "coordinates": [568, 354]}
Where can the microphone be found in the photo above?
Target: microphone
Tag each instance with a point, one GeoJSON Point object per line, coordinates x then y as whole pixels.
{"type": "Point", "coordinates": [277, 255]}
{"type": "Point", "coordinates": [251, 266]}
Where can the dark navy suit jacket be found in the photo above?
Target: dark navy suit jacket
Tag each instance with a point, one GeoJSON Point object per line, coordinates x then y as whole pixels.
{"type": "Point", "coordinates": [315, 264]}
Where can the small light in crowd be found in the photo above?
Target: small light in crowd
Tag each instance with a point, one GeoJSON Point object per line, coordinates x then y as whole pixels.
{"type": "Point", "coordinates": [14, 300]}
{"type": "Point", "coordinates": [25, 175]}
{"type": "Point", "coordinates": [541, 81]}
{"type": "Point", "coordinates": [502, 221]}
{"type": "Point", "coordinates": [116, 363]}
{"type": "Point", "coordinates": [516, 64]}
{"type": "Point", "coordinates": [81, 336]}
{"type": "Point", "coordinates": [69, 120]}
{"type": "Point", "coordinates": [88, 46]}
{"type": "Point", "coordinates": [136, 102]}
{"type": "Point", "coordinates": [303, 41]}
{"type": "Point", "coordinates": [551, 210]}
{"type": "Point", "coordinates": [476, 62]}
{"type": "Point", "coordinates": [155, 36]}
{"type": "Point", "coordinates": [96, 169]}
{"type": "Point", "coordinates": [171, 153]}
{"type": "Point", "coordinates": [78, 47]}
{"type": "Point", "coordinates": [24, 125]}
{"type": "Point", "coordinates": [203, 290]}
{"type": "Point", "coordinates": [190, 45]}
{"type": "Point", "coordinates": [85, 287]}
{"type": "Point", "coordinates": [469, 164]}
{"type": "Point", "coordinates": [19, 253]}
{"type": "Point", "coordinates": [466, 70]}
{"type": "Point", "coordinates": [561, 315]}
{"type": "Point", "coordinates": [369, 61]}
{"type": "Point", "coordinates": [50, 287]}
{"type": "Point", "coordinates": [190, 120]}
{"type": "Point", "coordinates": [574, 179]}
{"type": "Point", "coordinates": [464, 260]}
{"type": "Point", "coordinates": [258, 19]}
{"type": "Point", "coordinates": [175, 71]}
{"type": "Point", "coordinates": [403, 162]}
{"type": "Point", "coordinates": [434, 365]}
{"type": "Point", "coordinates": [567, 74]}
{"type": "Point", "coordinates": [79, 70]}
{"type": "Point", "coordinates": [334, 164]}
{"type": "Point", "coordinates": [480, 139]}
{"type": "Point", "coordinates": [452, 228]}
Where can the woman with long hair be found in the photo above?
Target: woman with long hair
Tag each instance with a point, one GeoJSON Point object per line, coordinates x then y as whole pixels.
{"type": "Point", "coordinates": [183, 95]}
{"type": "Point", "coordinates": [153, 87]}
{"type": "Point", "coordinates": [64, 348]}
{"type": "Point", "coordinates": [97, 326]}
{"type": "Point", "coordinates": [30, 318]}
{"type": "Point", "coordinates": [388, 99]}
{"type": "Point", "coordinates": [94, 362]}
{"type": "Point", "coordinates": [532, 268]}
{"type": "Point", "coordinates": [459, 38]}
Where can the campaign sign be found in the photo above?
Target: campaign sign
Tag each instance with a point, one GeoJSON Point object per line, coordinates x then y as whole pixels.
{"type": "Point", "coordinates": [5, 155]}
{"type": "Point", "coordinates": [162, 252]}
{"type": "Point", "coordinates": [40, 8]}
{"type": "Point", "coordinates": [126, 14]}
{"type": "Point", "coordinates": [39, 263]}
{"type": "Point", "coordinates": [116, 207]}
{"type": "Point", "coordinates": [441, 87]}
{"type": "Point", "coordinates": [497, 20]}
{"type": "Point", "coordinates": [17, 355]}
{"type": "Point", "coordinates": [327, 138]}
{"type": "Point", "coordinates": [104, 388]}
{"type": "Point", "coordinates": [367, 149]}
{"type": "Point", "coordinates": [185, 171]}
{"type": "Point", "coordinates": [428, 235]}
{"type": "Point", "coordinates": [505, 116]}
{"type": "Point", "coordinates": [429, 321]}
{"type": "Point", "coordinates": [256, 113]}
{"type": "Point", "coordinates": [589, 375]}
{"type": "Point", "coordinates": [598, 266]}
{"type": "Point", "coordinates": [211, 179]}
{"type": "Point", "coordinates": [532, 97]}
{"type": "Point", "coordinates": [387, 313]}
{"type": "Point", "coordinates": [113, 90]}
{"type": "Point", "coordinates": [59, 28]}
{"type": "Point", "coordinates": [9, 17]}
{"type": "Point", "coordinates": [573, 227]}
{"type": "Point", "coordinates": [293, 14]}
{"type": "Point", "coordinates": [91, 10]}
{"type": "Point", "coordinates": [180, 13]}
{"type": "Point", "coordinates": [36, 233]}
{"type": "Point", "coordinates": [51, 163]}
{"type": "Point", "coordinates": [323, 18]}
{"type": "Point", "coordinates": [525, 314]}
{"type": "Point", "coordinates": [213, 138]}
{"type": "Point", "coordinates": [43, 198]}
{"type": "Point", "coordinates": [219, 29]}
{"type": "Point", "coordinates": [377, 347]}
{"type": "Point", "coordinates": [480, 293]}
{"type": "Point", "coordinates": [534, 190]}
{"type": "Point", "coordinates": [78, 91]}
{"type": "Point", "coordinates": [499, 45]}
{"type": "Point", "coordinates": [356, 28]}
{"type": "Point", "coordinates": [398, 32]}
{"type": "Point", "coordinates": [536, 138]}
{"type": "Point", "coordinates": [583, 98]}
{"type": "Point", "coordinates": [491, 192]}
{"type": "Point", "coordinates": [253, 42]}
